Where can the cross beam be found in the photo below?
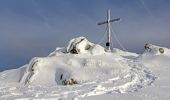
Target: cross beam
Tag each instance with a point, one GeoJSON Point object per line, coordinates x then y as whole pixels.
{"type": "Point", "coordinates": [108, 43]}
{"type": "Point", "coordinates": [112, 20]}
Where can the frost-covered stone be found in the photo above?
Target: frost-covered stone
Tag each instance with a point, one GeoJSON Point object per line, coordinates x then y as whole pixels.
{"type": "Point", "coordinates": [153, 49]}
{"type": "Point", "coordinates": [79, 45]}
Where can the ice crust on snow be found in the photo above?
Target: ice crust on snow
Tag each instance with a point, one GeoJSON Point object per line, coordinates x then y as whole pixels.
{"type": "Point", "coordinates": [97, 71]}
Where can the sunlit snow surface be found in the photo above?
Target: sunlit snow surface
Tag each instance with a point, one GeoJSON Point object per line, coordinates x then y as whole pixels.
{"type": "Point", "coordinates": [117, 75]}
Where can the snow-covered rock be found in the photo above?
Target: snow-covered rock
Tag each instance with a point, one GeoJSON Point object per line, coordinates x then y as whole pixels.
{"type": "Point", "coordinates": [124, 53]}
{"type": "Point", "coordinates": [79, 45]}
{"type": "Point", "coordinates": [155, 50]}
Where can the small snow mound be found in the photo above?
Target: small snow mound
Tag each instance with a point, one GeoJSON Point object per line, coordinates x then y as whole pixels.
{"type": "Point", "coordinates": [124, 53]}
{"type": "Point", "coordinates": [97, 50]}
{"type": "Point", "coordinates": [58, 51]}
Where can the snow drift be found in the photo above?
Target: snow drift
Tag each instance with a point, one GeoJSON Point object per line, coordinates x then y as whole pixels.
{"type": "Point", "coordinates": [83, 63]}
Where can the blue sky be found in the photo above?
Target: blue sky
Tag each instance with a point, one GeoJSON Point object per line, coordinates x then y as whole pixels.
{"type": "Point", "coordinates": [30, 28]}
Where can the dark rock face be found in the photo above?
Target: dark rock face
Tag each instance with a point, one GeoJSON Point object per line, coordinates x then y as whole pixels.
{"type": "Point", "coordinates": [70, 82]}
{"type": "Point", "coordinates": [161, 50]}
{"type": "Point", "coordinates": [74, 50]}
{"type": "Point", "coordinates": [147, 47]}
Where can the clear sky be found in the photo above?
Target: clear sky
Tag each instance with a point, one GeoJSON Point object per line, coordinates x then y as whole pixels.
{"type": "Point", "coordinates": [30, 28]}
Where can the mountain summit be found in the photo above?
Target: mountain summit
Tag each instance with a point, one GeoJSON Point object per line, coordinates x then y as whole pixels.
{"type": "Point", "coordinates": [89, 68]}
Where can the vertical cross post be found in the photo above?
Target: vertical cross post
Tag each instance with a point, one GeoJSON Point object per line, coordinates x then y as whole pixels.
{"type": "Point", "coordinates": [108, 44]}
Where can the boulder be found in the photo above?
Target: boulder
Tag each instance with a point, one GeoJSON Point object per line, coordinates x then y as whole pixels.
{"type": "Point", "coordinates": [79, 45]}
{"type": "Point", "coordinates": [154, 49]}
{"type": "Point", "coordinates": [70, 82]}
{"type": "Point", "coordinates": [161, 50]}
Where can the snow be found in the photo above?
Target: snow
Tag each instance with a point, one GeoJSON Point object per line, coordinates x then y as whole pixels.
{"type": "Point", "coordinates": [118, 75]}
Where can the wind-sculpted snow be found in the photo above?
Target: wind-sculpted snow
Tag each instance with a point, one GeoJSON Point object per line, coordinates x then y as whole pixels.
{"type": "Point", "coordinates": [121, 80]}
{"type": "Point", "coordinates": [96, 71]}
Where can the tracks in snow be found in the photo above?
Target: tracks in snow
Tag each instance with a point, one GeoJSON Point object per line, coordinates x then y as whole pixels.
{"type": "Point", "coordinates": [137, 76]}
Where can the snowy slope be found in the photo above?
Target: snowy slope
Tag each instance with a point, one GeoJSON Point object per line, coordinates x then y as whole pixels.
{"type": "Point", "coordinates": [100, 75]}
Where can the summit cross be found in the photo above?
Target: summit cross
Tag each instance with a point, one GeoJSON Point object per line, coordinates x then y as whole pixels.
{"type": "Point", "coordinates": [108, 43]}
